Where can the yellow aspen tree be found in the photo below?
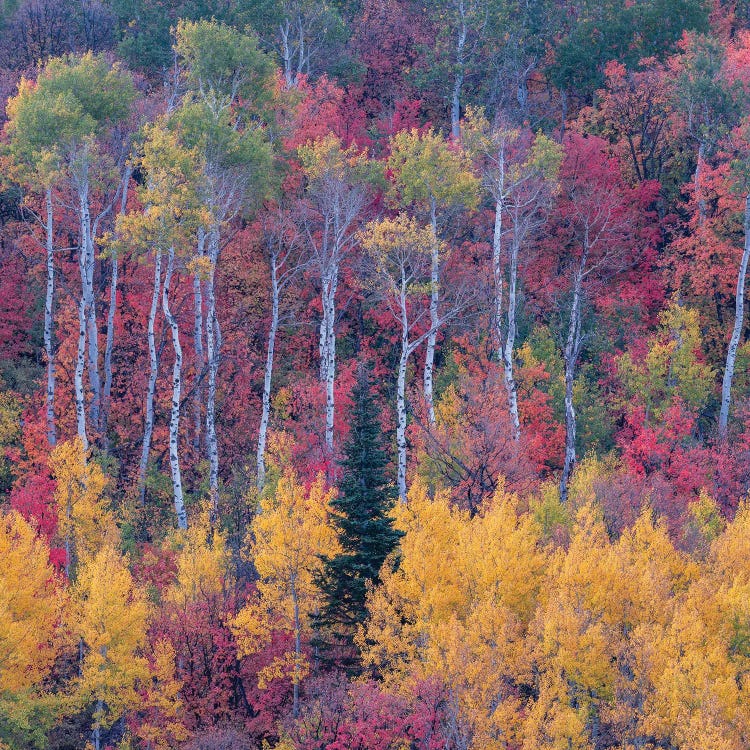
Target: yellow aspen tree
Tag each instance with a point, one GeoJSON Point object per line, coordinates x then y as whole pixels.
{"type": "Point", "coordinates": [702, 675]}
{"type": "Point", "coordinates": [457, 609]}
{"type": "Point", "coordinates": [575, 652]}
{"type": "Point", "coordinates": [286, 541]}
{"type": "Point", "coordinates": [202, 562]}
{"type": "Point", "coordinates": [84, 521]}
{"type": "Point", "coordinates": [31, 606]}
{"type": "Point", "coordinates": [112, 616]}
{"type": "Point", "coordinates": [650, 577]}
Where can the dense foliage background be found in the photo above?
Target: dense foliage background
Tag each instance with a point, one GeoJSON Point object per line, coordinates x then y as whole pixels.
{"type": "Point", "coordinates": [374, 374]}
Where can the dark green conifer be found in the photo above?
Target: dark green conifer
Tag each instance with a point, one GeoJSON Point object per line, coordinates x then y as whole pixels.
{"type": "Point", "coordinates": [364, 526]}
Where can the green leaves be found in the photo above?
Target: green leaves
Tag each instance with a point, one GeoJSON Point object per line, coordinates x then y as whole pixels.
{"type": "Point", "coordinates": [224, 65]}
{"type": "Point", "coordinates": [73, 101]}
{"type": "Point", "coordinates": [425, 167]}
{"type": "Point", "coordinates": [229, 82]}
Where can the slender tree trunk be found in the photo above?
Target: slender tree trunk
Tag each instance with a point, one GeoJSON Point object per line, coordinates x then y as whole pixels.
{"type": "Point", "coordinates": [87, 282]}
{"type": "Point", "coordinates": [213, 347]}
{"type": "Point", "coordinates": [506, 340]}
{"type": "Point", "coordinates": [286, 52]}
{"type": "Point", "coordinates": [510, 341]}
{"type": "Point", "coordinates": [297, 652]}
{"type": "Point", "coordinates": [49, 301]}
{"type": "Point", "coordinates": [80, 395]}
{"type": "Point", "coordinates": [98, 725]}
{"type": "Point", "coordinates": [266, 410]}
{"type": "Point", "coordinates": [429, 361]}
{"type": "Point", "coordinates": [303, 56]}
{"type": "Point", "coordinates": [331, 370]}
{"type": "Point", "coordinates": [148, 428]}
{"type": "Point", "coordinates": [200, 358]}
{"type": "Point", "coordinates": [174, 420]}
{"type": "Point", "coordinates": [497, 263]}
{"type": "Point", "coordinates": [109, 344]}
{"type": "Point", "coordinates": [401, 414]}
{"type": "Point", "coordinates": [456, 106]}
{"type": "Point", "coordinates": [570, 356]}
{"type": "Point", "coordinates": [739, 324]}
{"type": "Point", "coordinates": [327, 348]}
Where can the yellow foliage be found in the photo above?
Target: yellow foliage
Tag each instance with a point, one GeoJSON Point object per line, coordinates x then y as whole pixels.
{"type": "Point", "coordinates": [327, 159]}
{"type": "Point", "coordinates": [285, 543]}
{"type": "Point", "coordinates": [30, 606]}
{"type": "Point", "coordinates": [457, 608]}
{"type": "Point", "coordinates": [428, 168]}
{"type": "Point", "coordinates": [84, 521]}
{"type": "Point", "coordinates": [588, 472]}
{"type": "Point", "coordinates": [111, 620]}
{"type": "Point", "coordinates": [202, 564]}
{"type": "Point", "coordinates": [630, 633]}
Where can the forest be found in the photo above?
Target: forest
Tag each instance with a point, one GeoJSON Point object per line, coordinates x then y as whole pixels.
{"type": "Point", "coordinates": [374, 375]}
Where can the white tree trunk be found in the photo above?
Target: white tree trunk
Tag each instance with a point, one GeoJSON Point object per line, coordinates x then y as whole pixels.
{"type": "Point", "coordinates": [213, 347]}
{"type": "Point", "coordinates": [80, 396]}
{"type": "Point", "coordinates": [286, 52]}
{"type": "Point", "coordinates": [739, 324]}
{"type": "Point", "coordinates": [429, 361]}
{"type": "Point", "coordinates": [401, 415]}
{"type": "Point", "coordinates": [497, 267]}
{"type": "Point", "coordinates": [327, 347]}
{"type": "Point", "coordinates": [148, 428]}
{"type": "Point", "coordinates": [268, 374]}
{"type": "Point", "coordinates": [458, 81]}
{"type": "Point", "coordinates": [200, 359]}
{"type": "Point", "coordinates": [510, 341]}
{"type": "Point", "coordinates": [570, 356]}
{"type": "Point", "coordinates": [87, 284]}
{"type": "Point", "coordinates": [49, 300]}
{"type": "Point", "coordinates": [174, 420]}
{"type": "Point", "coordinates": [109, 344]}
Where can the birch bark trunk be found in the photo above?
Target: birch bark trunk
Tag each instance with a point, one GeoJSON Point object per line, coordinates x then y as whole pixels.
{"type": "Point", "coordinates": [401, 414]}
{"type": "Point", "coordinates": [109, 344]}
{"type": "Point", "coordinates": [49, 301]}
{"type": "Point", "coordinates": [151, 387]}
{"type": "Point", "coordinates": [200, 357]}
{"type": "Point", "coordinates": [267, 376]}
{"type": "Point", "coordinates": [213, 347]}
{"type": "Point", "coordinates": [739, 324]}
{"type": "Point", "coordinates": [510, 341]}
{"type": "Point", "coordinates": [87, 285]}
{"type": "Point", "coordinates": [80, 395]}
{"type": "Point", "coordinates": [174, 420]}
{"type": "Point", "coordinates": [570, 355]}
{"type": "Point", "coordinates": [327, 349]}
{"type": "Point", "coordinates": [429, 361]}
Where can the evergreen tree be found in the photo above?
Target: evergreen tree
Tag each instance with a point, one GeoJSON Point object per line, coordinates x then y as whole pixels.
{"type": "Point", "coordinates": [364, 527]}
